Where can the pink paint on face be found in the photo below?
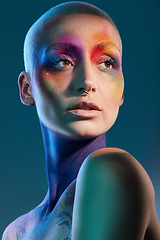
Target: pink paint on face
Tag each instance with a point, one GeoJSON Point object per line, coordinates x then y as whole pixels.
{"type": "Point", "coordinates": [106, 50]}
{"type": "Point", "coordinates": [64, 43]}
{"type": "Point", "coordinates": [105, 45]}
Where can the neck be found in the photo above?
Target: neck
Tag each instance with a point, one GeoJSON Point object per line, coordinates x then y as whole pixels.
{"type": "Point", "coordinates": [64, 157]}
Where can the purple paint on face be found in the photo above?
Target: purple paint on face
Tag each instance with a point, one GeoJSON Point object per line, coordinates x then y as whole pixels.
{"type": "Point", "coordinates": [64, 40]}
{"type": "Point", "coordinates": [65, 47]}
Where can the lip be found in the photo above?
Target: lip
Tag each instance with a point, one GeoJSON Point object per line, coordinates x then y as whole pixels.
{"type": "Point", "coordinates": [85, 110]}
{"type": "Point", "coordinates": [83, 105]}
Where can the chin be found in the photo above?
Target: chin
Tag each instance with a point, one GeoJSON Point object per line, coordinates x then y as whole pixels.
{"type": "Point", "coordinates": [79, 130]}
{"type": "Point", "coordinates": [86, 132]}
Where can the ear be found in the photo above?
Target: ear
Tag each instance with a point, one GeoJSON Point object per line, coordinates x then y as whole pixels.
{"type": "Point", "coordinates": [24, 82]}
{"type": "Point", "coordinates": [122, 99]}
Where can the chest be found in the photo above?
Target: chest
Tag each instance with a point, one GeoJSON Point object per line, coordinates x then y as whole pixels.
{"type": "Point", "coordinates": [58, 224]}
{"type": "Point", "coordinates": [57, 227]}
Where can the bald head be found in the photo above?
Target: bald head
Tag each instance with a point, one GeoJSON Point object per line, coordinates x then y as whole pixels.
{"type": "Point", "coordinates": [50, 19]}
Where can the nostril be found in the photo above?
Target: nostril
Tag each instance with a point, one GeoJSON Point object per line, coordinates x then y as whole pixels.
{"type": "Point", "coordinates": [81, 89]}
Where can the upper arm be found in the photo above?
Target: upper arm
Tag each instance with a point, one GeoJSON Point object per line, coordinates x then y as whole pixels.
{"type": "Point", "coordinates": [113, 198]}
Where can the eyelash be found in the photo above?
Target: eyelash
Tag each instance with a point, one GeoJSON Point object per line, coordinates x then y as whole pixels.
{"type": "Point", "coordinates": [52, 63]}
{"type": "Point", "coordinates": [112, 61]}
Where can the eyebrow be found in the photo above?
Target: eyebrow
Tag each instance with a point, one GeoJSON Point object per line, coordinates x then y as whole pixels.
{"type": "Point", "coordinates": [69, 47]}
{"type": "Point", "coordinates": [72, 48]}
{"type": "Point", "coordinates": [106, 45]}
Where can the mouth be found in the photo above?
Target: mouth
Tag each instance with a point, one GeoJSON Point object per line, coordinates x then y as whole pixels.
{"type": "Point", "coordinates": [85, 110]}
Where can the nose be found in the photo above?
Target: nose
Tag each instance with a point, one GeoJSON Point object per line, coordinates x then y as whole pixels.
{"type": "Point", "coordinates": [88, 86]}
{"type": "Point", "coordinates": [86, 79]}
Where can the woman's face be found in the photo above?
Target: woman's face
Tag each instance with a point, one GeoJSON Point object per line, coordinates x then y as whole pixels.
{"type": "Point", "coordinates": [80, 52]}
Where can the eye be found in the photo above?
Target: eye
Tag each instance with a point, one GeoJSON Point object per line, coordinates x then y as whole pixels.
{"type": "Point", "coordinates": [63, 63]}
{"type": "Point", "coordinates": [106, 62]}
{"type": "Point", "coordinates": [59, 63]}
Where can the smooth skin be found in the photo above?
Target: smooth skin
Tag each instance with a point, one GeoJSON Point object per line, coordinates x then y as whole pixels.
{"type": "Point", "coordinates": [57, 88]}
{"type": "Point", "coordinates": [113, 196]}
{"type": "Point", "coordinates": [114, 199]}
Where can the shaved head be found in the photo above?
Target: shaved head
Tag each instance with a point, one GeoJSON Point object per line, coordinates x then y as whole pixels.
{"type": "Point", "coordinates": [49, 19]}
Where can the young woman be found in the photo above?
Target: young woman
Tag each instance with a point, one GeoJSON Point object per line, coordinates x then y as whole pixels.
{"type": "Point", "coordinates": [73, 74]}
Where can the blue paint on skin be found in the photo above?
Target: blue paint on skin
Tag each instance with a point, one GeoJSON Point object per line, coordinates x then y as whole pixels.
{"type": "Point", "coordinates": [64, 157]}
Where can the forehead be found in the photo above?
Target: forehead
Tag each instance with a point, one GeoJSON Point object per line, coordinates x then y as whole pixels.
{"type": "Point", "coordinates": [79, 28]}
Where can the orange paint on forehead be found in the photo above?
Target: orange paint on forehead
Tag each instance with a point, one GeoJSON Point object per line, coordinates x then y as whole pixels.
{"type": "Point", "coordinates": [102, 44]}
{"type": "Point", "coordinates": [103, 37]}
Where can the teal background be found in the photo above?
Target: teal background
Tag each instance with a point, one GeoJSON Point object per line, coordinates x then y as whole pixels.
{"type": "Point", "coordinates": [137, 130]}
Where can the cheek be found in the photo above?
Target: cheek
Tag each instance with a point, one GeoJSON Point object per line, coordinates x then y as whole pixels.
{"type": "Point", "coordinates": [115, 89]}
{"type": "Point", "coordinates": [118, 88]}
{"type": "Point", "coordinates": [46, 86]}
{"type": "Point", "coordinates": [52, 82]}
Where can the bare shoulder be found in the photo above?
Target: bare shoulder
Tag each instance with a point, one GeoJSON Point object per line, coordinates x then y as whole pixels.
{"type": "Point", "coordinates": [17, 229]}
{"type": "Point", "coordinates": [127, 171]}
{"type": "Point", "coordinates": [113, 181]}
{"type": "Point", "coordinates": [122, 165]}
